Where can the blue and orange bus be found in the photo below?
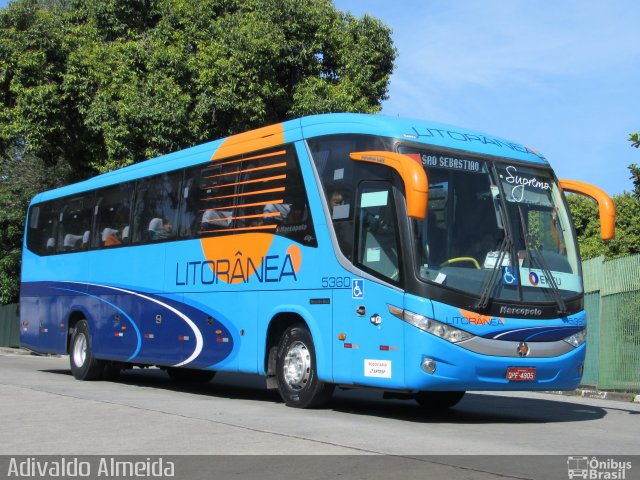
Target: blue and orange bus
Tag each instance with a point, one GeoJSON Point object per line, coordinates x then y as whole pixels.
{"type": "Point", "coordinates": [346, 250]}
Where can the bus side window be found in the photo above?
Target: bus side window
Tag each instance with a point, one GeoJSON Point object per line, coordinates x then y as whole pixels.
{"type": "Point", "coordinates": [189, 203]}
{"type": "Point", "coordinates": [217, 196]}
{"type": "Point", "coordinates": [41, 234]}
{"type": "Point", "coordinates": [155, 208]}
{"type": "Point", "coordinates": [295, 215]}
{"type": "Point", "coordinates": [74, 232]}
{"type": "Point", "coordinates": [339, 176]}
{"type": "Point", "coordinates": [113, 206]}
{"type": "Point", "coordinates": [377, 246]}
{"type": "Point", "coordinates": [255, 192]}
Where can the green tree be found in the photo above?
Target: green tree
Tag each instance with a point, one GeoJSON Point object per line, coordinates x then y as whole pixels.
{"type": "Point", "coordinates": [87, 86]}
{"type": "Point", "coordinates": [585, 218]}
{"type": "Point", "coordinates": [634, 138]}
{"type": "Point", "coordinates": [21, 177]}
{"type": "Point", "coordinates": [635, 178]}
{"type": "Point", "coordinates": [587, 224]}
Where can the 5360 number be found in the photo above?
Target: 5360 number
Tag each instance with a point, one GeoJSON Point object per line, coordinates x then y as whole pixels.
{"type": "Point", "coordinates": [336, 282]}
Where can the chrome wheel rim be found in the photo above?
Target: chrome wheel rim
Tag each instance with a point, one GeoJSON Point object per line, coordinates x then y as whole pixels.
{"type": "Point", "coordinates": [80, 349]}
{"type": "Point", "coordinates": [297, 366]}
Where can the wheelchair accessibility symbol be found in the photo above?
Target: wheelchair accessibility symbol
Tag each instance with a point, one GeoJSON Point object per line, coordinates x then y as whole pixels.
{"type": "Point", "coordinates": [509, 276]}
{"type": "Point", "coordinates": [357, 288]}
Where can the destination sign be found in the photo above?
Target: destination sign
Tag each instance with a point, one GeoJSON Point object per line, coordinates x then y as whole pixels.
{"type": "Point", "coordinates": [432, 160]}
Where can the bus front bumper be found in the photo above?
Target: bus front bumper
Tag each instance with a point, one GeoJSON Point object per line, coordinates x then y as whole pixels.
{"type": "Point", "coordinates": [442, 366]}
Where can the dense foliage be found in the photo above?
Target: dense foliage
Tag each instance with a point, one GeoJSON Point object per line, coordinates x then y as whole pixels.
{"type": "Point", "coordinates": [87, 86]}
{"type": "Point", "coordinates": [587, 223]}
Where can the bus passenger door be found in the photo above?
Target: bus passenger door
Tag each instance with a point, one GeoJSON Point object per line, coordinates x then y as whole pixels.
{"type": "Point", "coordinates": [371, 351]}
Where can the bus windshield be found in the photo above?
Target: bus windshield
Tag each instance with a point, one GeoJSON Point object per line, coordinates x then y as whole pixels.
{"type": "Point", "coordinates": [496, 229]}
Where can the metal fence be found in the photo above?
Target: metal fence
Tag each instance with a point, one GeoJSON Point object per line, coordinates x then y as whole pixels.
{"type": "Point", "coordinates": [612, 301]}
{"type": "Point", "coordinates": [9, 326]}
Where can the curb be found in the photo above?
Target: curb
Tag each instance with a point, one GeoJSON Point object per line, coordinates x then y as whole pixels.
{"type": "Point", "coordinates": [601, 395]}
{"type": "Point", "coordinates": [14, 351]}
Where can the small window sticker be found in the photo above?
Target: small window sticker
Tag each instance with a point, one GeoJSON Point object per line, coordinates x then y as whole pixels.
{"type": "Point", "coordinates": [374, 199]}
{"type": "Point", "coordinates": [340, 212]}
{"type": "Point", "coordinates": [373, 254]}
{"type": "Point", "coordinates": [440, 278]}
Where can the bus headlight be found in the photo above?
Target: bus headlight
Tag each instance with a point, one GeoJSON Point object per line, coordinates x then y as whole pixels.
{"type": "Point", "coordinates": [577, 338]}
{"type": "Point", "coordinates": [439, 329]}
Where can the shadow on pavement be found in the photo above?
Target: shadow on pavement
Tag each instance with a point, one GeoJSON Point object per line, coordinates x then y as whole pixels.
{"type": "Point", "coordinates": [475, 408]}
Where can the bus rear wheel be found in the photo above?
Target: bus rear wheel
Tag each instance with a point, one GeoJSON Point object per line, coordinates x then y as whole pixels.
{"type": "Point", "coordinates": [439, 400]}
{"type": "Point", "coordinates": [296, 371]}
{"type": "Point", "coordinates": [84, 366]}
{"type": "Point", "coordinates": [189, 375]}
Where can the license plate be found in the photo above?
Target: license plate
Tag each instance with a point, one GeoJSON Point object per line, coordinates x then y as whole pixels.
{"type": "Point", "coordinates": [521, 374]}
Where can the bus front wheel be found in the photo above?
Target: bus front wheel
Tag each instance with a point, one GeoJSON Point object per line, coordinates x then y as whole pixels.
{"type": "Point", "coordinates": [297, 375]}
{"type": "Point", "coordinates": [438, 400]}
{"type": "Point", "coordinates": [84, 366]}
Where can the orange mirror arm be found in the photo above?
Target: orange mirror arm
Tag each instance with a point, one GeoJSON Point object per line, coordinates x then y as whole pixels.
{"type": "Point", "coordinates": [413, 175]}
{"type": "Point", "coordinates": [605, 204]}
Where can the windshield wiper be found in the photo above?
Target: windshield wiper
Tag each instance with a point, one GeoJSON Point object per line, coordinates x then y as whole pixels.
{"type": "Point", "coordinates": [562, 307]}
{"type": "Point", "coordinates": [505, 249]}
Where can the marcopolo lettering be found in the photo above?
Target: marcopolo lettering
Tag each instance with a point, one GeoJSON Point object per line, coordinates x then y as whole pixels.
{"type": "Point", "coordinates": [504, 310]}
{"type": "Point", "coordinates": [268, 269]}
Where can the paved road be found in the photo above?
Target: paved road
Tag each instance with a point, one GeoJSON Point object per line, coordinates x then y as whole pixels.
{"type": "Point", "coordinates": [44, 410]}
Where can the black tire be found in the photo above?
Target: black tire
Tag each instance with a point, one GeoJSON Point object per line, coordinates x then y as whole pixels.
{"type": "Point", "coordinates": [84, 366]}
{"type": "Point", "coordinates": [439, 400]}
{"type": "Point", "coordinates": [189, 375]}
{"type": "Point", "coordinates": [296, 371]}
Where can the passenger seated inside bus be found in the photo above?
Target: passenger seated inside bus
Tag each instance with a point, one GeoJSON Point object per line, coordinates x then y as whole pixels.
{"type": "Point", "coordinates": [71, 242]}
{"type": "Point", "coordinates": [110, 237]}
{"type": "Point", "coordinates": [212, 219]}
{"type": "Point", "coordinates": [160, 229]}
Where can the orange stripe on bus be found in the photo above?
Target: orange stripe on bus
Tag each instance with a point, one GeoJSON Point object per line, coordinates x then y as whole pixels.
{"type": "Point", "coordinates": [235, 172]}
{"type": "Point", "coordinates": [259, 215]}
{"type": "Point", "coordinates": [246, 182]}
{"type": "Point", "coordinates": [248, 159]}
{"type": "Point", "coordinates": [259, 227]}
{"type": "Point", "coordinates": [255, 157]}
{"type": "Point", "coordinates": [279, 201]}
{"type": "Point", "coordinates": [246, 194]}
{"type": "Point", "coordinates": [258, 139]}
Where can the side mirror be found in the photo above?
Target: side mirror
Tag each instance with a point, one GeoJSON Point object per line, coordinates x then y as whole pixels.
{"type": "Point", "coordinates": [605, 204]}
{"type": "Point", "coordinates": [413, 175]}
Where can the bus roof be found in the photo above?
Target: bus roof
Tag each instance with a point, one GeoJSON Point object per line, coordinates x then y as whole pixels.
{"type": "Point", "coordinates": [421, 131]}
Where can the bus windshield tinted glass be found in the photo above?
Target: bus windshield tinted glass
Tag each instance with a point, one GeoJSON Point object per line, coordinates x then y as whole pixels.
{"type": "Point", "coordinates": [473, 203]}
